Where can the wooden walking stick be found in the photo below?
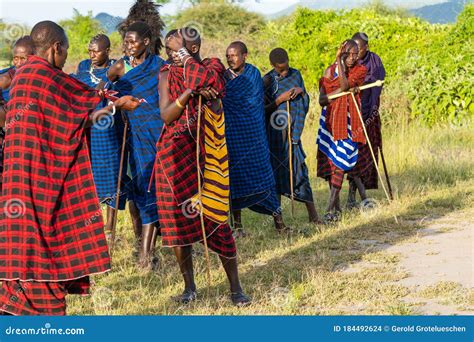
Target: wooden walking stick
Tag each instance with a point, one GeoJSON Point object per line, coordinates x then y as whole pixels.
{"type": "Point", "coordinates": [371, 150]}
{"type": "Point", "coordinates": [290, 158]}
{"type": "Point", "coordinates": [201, 211]}
{"type": "Point", "coordinates": [377, 83]}
{"type": "Point", "coordinates": [386, 173]}
{"type": "Point", "coordinates": [119, 183]}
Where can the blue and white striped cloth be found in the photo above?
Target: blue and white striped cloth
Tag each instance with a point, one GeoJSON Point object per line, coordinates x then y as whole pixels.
{"type": "Point", "coordinates": [343, 153]}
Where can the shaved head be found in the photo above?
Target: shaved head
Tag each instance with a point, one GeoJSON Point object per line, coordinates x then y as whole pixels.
{"type": "Point", "coordinates": [349, 44]}
{"type": "Point", "coordinates": [46, 33]}
{"type": "Point", "coordinates": [278, 56]}
{"type": "Point", "coordinates": [101, 40]}
{"type": "Point", "coordinates": [26, 43]}
{"type": "Point", "coordinates": [239, 46]}
{"type": "Point", "coordinates": [362, 37]}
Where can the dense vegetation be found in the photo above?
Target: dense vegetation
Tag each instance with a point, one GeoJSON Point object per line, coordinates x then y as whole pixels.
{"type": "Point", "coordinates": [429, 67]}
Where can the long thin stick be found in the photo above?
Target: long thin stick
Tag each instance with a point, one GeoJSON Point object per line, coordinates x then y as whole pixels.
{"type": "Point", "coordinates": [371, 150]}
{"type": "Point", "coordinates": [119, 183]}
{"type": "Point", "coordinates": [290, 158]}
{"type": "Point", "coordinates": [386, 173]}
{"type": "Point", "coordinates": [378, 83]}
{"type": "Point", "coordinates": [201, 211]}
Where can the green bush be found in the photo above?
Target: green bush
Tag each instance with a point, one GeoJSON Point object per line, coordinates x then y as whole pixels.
{"type": "Point", "coordinates": [429, 67]}
{"type": "Point", "coordinates": [80, 29]}
{"type": "Point", "coordinates": [219, 19]}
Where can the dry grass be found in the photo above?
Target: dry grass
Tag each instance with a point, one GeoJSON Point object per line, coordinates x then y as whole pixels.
{"type": "Point", "coordinates": [307, 273]}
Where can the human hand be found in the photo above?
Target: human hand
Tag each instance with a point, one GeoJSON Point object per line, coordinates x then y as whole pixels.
{"type": "Point", "coordinates": [127, 102]}
{"type": "Point", "coordinates": [175, 41]}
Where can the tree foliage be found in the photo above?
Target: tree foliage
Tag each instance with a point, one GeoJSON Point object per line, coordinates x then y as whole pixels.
{"type": "Point", "coordinates": [80, 29]}
{"type": "Point", "coordinates": [220, 19]}
{"type": "Point", "coordinates": [429, 64]}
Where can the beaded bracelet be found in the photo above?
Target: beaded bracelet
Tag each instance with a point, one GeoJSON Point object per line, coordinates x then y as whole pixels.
{"type": "Point", "coordinates": [183, 52]}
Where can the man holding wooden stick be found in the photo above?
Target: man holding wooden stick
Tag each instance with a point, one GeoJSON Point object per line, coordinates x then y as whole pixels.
{"type": "Point", "coordinates": [370, 104]}
{"type": "Point", "coordinates": [192, 172]}
{"type": "Point", "coordinates": [341, 135]}
{"type": "Point", "coordinates": [285, 94]}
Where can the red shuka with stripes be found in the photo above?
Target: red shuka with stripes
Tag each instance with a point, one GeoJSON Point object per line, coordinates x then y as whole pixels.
{"type": "Point", "coordinates": [176, 164]}
{"type": "Point", "coordinates": [337, 110]}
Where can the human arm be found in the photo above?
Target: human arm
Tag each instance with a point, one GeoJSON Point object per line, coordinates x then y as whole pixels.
{"type": "Point", "coordinates": [169, 110]}
{"type": "Point", "coordinates": [128, 103]}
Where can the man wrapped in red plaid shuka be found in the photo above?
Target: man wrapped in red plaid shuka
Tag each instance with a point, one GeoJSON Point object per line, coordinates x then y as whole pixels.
{"type": "Point", "coordinates": [342, 121]}
{"type": "Point", "coordinates": [51, 230]}
{"type": "Point", "coordinates": [180, 86]}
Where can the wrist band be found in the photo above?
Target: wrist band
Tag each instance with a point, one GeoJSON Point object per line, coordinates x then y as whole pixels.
{"type": "Point", "coordinates": [183, 52]}
{"type": "Point", "coordinates": [179, 104]}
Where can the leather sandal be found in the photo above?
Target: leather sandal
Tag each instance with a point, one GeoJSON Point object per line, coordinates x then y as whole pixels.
{"type": "Point", "coordinates": [240, 299]}
{"type": "Point", "coordinates": [186, 297]}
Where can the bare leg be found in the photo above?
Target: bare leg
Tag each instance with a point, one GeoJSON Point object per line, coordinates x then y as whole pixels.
{"type": "Point", "coordinates": [333, 199]}
{"type": "Point", "coordinates": [280, 225]}
{"type": "Point", "coordinates": [145, 256]}
{"type": "Point", "coordinates": [351, 198]}
{"type": "Point", "coordinates": [238, 228]}
{"type": "Point", "coordinates": [231, 269]}
{"type": "Point", "coordinates": [334, 205]}
{"type": "Point", "coordinates": [312, 213]}
{"type": "Point", "coordinates": [360, 186]}
{"type": "Point", "coordinates": [136, 220]}
{"type": "Point", "coordinates": [185, 261]}
{"type": "Point", "coordinates": [338, 202]}
{"type": "Point", "coordinates": [278, 218]}
{"type": "Point", "coordinates": [110, 219]}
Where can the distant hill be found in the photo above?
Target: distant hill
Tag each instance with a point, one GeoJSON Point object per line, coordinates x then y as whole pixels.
{"type": "Point", "coordinates": [444, 12]}
{"type": "Point", "coordinates": [108, 22]}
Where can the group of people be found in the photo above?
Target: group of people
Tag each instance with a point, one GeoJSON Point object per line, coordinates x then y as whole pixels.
{"type": "Point", "coordinates": [200, 141]}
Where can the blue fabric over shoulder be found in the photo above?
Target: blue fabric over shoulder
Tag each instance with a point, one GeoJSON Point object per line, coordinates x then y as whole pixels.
{"type": "Point", "coordinates": [252, 183]}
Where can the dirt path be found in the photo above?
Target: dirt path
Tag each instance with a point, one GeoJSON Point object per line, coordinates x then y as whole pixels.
{"type": "Point", "coordinates": [440, 265]}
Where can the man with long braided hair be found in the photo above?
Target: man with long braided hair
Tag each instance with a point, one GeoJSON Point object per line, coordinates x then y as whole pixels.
{"type": "Point", "coordinates": [146, 11]}
{"type": "Point", "coordinates": [137, 74]}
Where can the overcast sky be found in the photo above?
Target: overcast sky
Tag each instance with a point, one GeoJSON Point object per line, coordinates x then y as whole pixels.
{"type": "Point", "coordinates": [33, 11]}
